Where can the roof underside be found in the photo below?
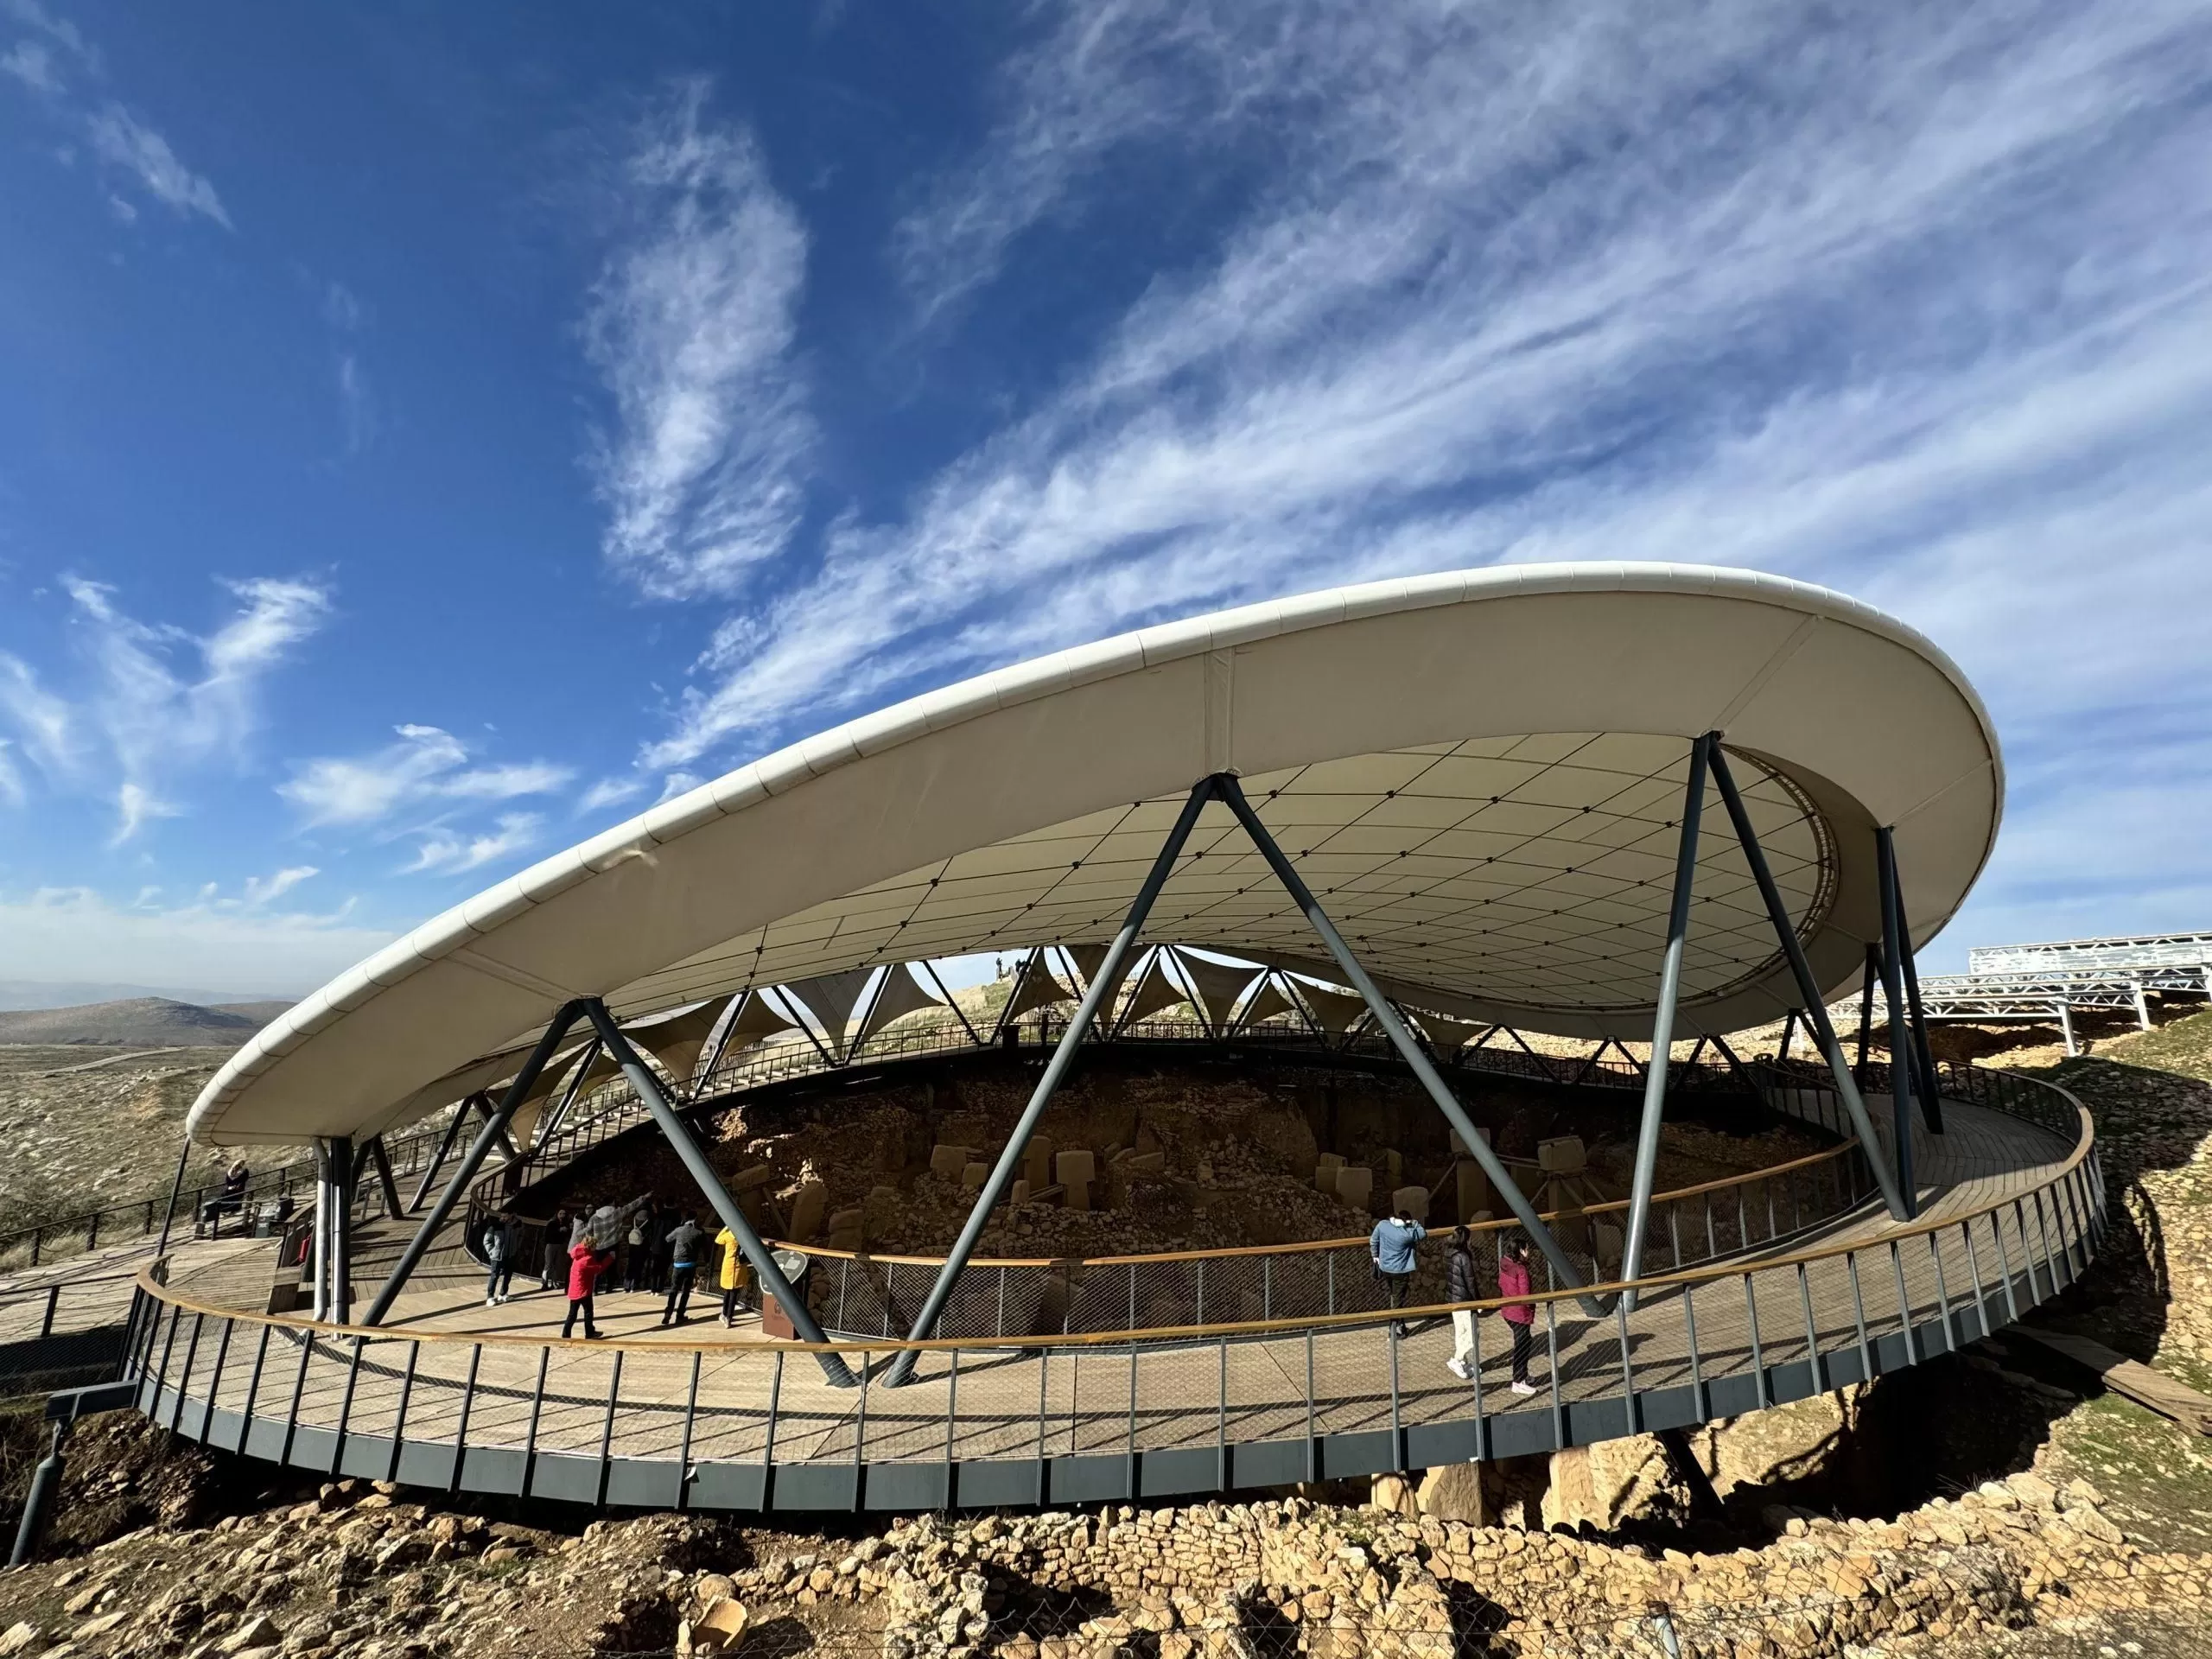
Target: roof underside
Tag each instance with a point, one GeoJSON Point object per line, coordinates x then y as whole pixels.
{"type": "Point", "coordinates": [1480, 775]}
{"type": "Point", "coordinates": [1535, 871]}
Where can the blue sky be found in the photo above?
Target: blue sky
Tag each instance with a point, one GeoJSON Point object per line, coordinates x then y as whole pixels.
{"type": "Point", "coordinates": [429, 435]}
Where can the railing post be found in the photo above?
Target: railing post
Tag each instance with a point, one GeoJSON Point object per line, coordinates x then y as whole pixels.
{"type": "Point", "coordinates": [1912, 1352]}
{"type": "Point", "coordinates": [1699, 1401]}
{"type": "Point", "coordinates": [252, 1391]}
{"type": "Point", "coordinates": [1758, 1358]}
{"type": "Point", "coordinates": [215, 1383]}
{"type": "Point", "coordinates": [399, 1417]}
{"type": "Point", "coordinates": [1858, 1318]}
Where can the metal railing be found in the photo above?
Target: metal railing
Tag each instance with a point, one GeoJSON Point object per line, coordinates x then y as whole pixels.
{"type": "Point", "coordinates": [869, 1298]}
{"type": "Point", "coordinates": [139, 1218]}
{"type": "Point", "coordinates": [1208, 1406]}
{"type": "Point", "coordinates": [872, 1295]}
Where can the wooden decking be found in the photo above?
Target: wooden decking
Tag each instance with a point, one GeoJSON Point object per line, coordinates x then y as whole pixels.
{"type": "Point", "coordinates": [446, 1370]}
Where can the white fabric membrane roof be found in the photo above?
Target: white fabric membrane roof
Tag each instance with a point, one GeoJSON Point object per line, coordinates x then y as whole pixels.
{"type": "Point", "coordinates": [1480, 774]}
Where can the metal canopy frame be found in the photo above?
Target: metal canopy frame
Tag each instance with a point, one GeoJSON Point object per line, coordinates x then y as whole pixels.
{"type": "Point", "coordinates": [1904, 1086]}
{"type": "Point", "coordinates": [901, 1369]}
{"type": "Point", "coordinates": [1221, 786]}
{"type": "Point", "coordinates": [702, 1170]}
{"type": "Point", "coordinates": [495, 1130]}
{"type": "Point", "coordinates": [1663, 1019]}
{"type": "Point", "coordinates": [1808, 990]}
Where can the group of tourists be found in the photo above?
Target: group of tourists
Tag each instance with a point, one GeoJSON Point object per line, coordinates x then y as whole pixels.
{"type": "Point", "coordinates": [643, 1247]}
{"type": "Point", "coordinates": [1394, 1246]}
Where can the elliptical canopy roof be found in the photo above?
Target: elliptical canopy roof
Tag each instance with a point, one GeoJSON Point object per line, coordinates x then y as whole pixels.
{"type": "Point", "coordinates": [1481, 773]}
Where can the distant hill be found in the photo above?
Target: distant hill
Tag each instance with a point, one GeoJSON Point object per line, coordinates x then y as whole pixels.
{"type": "Point", "coordinates": [140, 1022]}
{"type": "Point", "coordinates": [260, 1013]}
{"type": "Point", "coordinates": [74, 993]}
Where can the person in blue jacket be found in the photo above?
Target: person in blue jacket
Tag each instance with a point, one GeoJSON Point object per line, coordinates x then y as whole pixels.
{"type": "Point", "coordinates": [1392, 1246]}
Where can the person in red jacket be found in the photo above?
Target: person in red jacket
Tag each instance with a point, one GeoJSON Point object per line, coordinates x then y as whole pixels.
{"type": "Point", "coordinates": [585, 1263]}
{"type": "Point", "coordinates": [1513, 1280]}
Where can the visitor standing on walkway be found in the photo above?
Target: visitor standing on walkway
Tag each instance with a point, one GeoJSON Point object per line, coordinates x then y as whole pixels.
{"type": "Point", "coordinates": [585, 1263]}
{"type": "Point", "coordinates": [733, 1272]}
{"type": "Point", "coordinates": [1391, 1247]}
{"type": "Point", "coordinates": [501, 1241]}
{"type": "Point", "coordinates": [683, 1242]}
{"type": "Point", "coordinates": [554, 1267]}
{"type": "Point", "coordinates": [1459, 1285]}
{"type": "Point", "coordinates": [1513, 1280]}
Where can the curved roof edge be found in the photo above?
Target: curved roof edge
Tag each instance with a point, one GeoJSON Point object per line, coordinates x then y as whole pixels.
{"type": "Point", "coordinates": [983, 694]}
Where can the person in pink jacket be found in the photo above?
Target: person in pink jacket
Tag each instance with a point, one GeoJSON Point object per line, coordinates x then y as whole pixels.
{"type": "Point", "coordinates": [1513, 1280]}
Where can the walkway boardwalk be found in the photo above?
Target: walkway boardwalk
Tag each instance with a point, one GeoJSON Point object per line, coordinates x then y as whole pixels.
{"type": "Point", "coordinates": [731, 1419]}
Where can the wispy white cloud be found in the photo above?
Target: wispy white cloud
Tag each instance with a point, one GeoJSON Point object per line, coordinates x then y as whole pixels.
{"type": "Point", "coordinates": [1864, 299]}
{"type": "Point", "coordinates": [609, 792]}
{"type": "Point", "coordinates": [135, 805]}
{"type": "Point", "coordinates": [427, 767]}
{"type": "Point", "coordinates": [32, 63]}
{"type": "Point", "coordinates": [691, 326]}
{"type": "Point", "coordinates": [263, 891]}
{"type": "Point", "coordinates": [157, 702]}
{"type": "Point", "coordinates": [125, 141]}
{"type": "Point", "coordinates": [52, 60]}
{"type": "Point", "coordinates": [449, 853]}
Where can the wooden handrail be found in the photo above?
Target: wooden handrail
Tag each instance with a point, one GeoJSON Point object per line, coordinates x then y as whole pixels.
{"type": "Point", "coordinates": [1506, 1224]}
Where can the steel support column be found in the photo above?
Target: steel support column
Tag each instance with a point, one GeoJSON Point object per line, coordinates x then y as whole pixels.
{"type": "Point", "coordinates": [478, 1149]}
{"type": "Point", "coordinates": [508, 1150]}
{"type": "Point", "coordinates": [1415, 1058]}
{"type": "Point", "coordinates": [341, 1230]}
{"type": "Point", "coordinates": [445, 1149]}
{"type": "Point", "coordinates": [695, 1159]}
{"type": "Point", "coordinates": [1926, 1085]}
{"type": "Point", "coordinates": [1808, 991]}
{"type": "Point", "coordinates": [1867, 1001]}
{"type": "Point", "coordinates": [1663, 1021]}
{"type": "Point", "coordinates": [319, 1241]}
{"type": "Point", "coordinates": [1902, 1087]}
{"type": "Point", "coordinates": [901, 1369]}
{"type": "Point", "coordinates": [380, 1159]}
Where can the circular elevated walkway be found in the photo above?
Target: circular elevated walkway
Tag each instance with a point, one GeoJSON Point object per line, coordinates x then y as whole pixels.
{"type": "Point", "coordinates": [452, 1395]}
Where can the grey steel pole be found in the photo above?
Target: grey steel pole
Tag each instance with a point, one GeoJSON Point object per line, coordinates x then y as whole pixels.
{"type": "Point", "coordinates": [319, 1306]}
{"type": "Point", "coordinates": [1401, 1038]}
{"type": "Point", "coordinates": [1931, 1104]}
{"type": "Point", "coordinates": [478, 1149]}
{"type": "Point", "coordinates": [695, 1159]}
{"type": "Point", "coordinates": [1816, 1008]}
{"type": "Point", "coordinates": [460, 1112]}
{"type": "Point", "coordinates": [341, 1229]}
{"type": "Point", "coordinates": [901, 1369]}
{"type": "Point", "coordinates": [380, 1158]}
{"type": "Point", "coordinates": [1867, 1001]}
{"type": "Point", "coordinates": [1902, 1063]}
{"type": "Point", "coordinates": [1663, 1022]}
{"type": "Point", "coordinates": [46, 1483]}
{"type": "Point", "coordinates": [183, 1157]}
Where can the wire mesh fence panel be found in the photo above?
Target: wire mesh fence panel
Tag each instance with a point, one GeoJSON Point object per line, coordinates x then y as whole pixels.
{"type": "Point", "coordinates": [1176, 1402]}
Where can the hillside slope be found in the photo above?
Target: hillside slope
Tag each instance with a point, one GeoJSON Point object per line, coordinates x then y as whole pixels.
{"type": "Point", "coordinates": [140, 1022]}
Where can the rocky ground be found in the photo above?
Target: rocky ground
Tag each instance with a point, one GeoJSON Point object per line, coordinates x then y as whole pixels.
{"type": "Point", "coordinates": [2022, 1565]}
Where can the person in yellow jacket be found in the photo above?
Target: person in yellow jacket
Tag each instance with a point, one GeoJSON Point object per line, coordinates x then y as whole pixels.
{"type": "Point", "coordinates": [735, 1273]}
